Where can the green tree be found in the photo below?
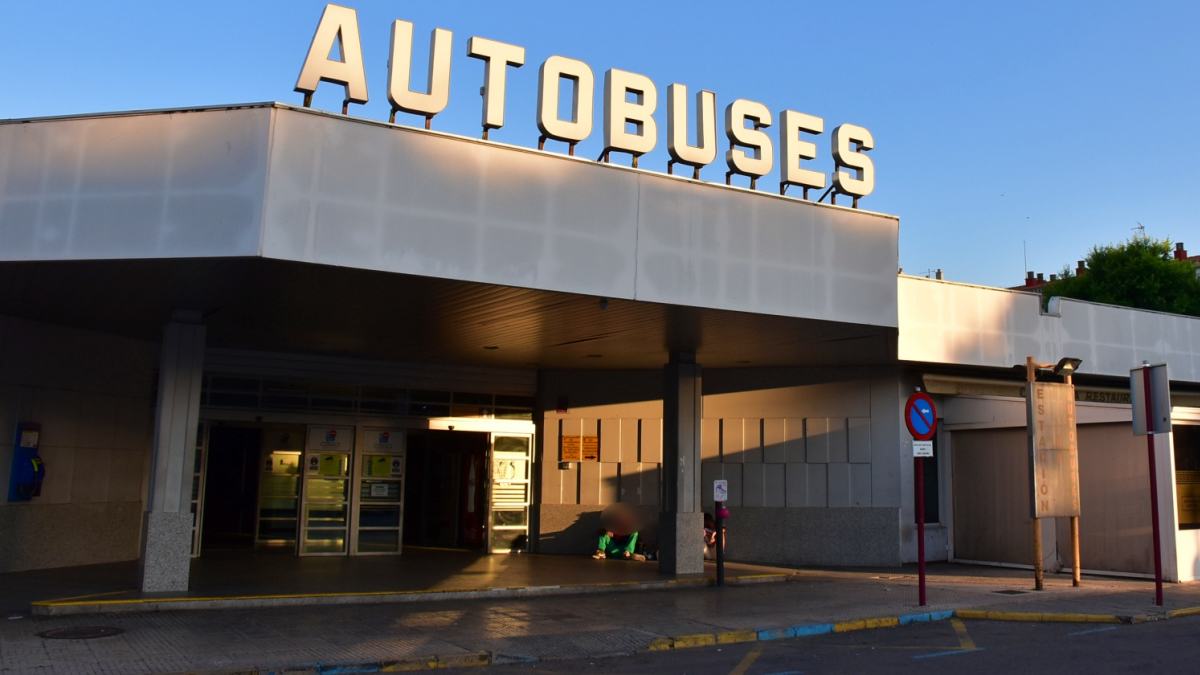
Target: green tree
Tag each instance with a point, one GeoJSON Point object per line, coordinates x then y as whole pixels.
{"type": "Point", "coordinates": [1138, 273]}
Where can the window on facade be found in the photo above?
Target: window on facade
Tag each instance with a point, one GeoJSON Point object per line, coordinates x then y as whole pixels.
{"type": "Point", "coordinates": [1187, 474]}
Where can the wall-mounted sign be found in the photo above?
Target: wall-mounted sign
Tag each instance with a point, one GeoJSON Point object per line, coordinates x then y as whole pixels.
{"type": "Point", "coordinates": [721, 490]}
{"type": "Point", "coordinates": [630, 101]}
{"type": "Point", "coordinates": [580, 448]}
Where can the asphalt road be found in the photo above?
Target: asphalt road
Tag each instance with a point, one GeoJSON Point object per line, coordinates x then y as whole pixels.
{"type": "Point", "coordinates": [976, 647]}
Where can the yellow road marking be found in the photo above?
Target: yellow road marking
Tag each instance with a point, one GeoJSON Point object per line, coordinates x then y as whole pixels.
{"type": "Point", "coordinates": [748, 660]}
{"type": "Point", "coordinates": [964, 639]}
{"type": "Point", "coordinates": [1037, 617]}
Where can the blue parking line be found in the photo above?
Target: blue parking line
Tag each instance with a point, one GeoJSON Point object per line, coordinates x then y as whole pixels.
{"type": "Point", "coordinates": [907, 619]}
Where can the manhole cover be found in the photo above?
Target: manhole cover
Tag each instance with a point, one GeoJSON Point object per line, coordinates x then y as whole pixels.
{"type": "Point", "coordinates": [1011, 592]}
{"type": "Point", "coordinates": [80, 633]}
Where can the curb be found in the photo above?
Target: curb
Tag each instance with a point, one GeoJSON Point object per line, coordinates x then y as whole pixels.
{"type": "Point", "coordinates": [162, 604]}
{"type": "Point", "coordinates": [697, 640]}
{"type": "Point", "coordinates": [1041, 617]}
{"type": "Point", "coordinates": [77, 606]}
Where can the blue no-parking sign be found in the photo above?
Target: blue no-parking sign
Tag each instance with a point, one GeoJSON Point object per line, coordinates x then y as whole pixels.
{"type": "Point", "coordinates": [920, 416]}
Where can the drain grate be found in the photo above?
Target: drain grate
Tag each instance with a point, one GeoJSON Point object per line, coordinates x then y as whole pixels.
{"type": "Point", "coordinates": [1011, 592]}
{"type": "Point", "coordinates": [80, 632]}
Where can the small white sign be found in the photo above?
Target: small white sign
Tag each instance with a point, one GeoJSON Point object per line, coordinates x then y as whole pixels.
{"type": "Point", "coordinates": [720, 490]}
{"type": "Point", "coordinates": [29, 438]}
{"type": "Point", "coordinates": [1160, 400]}
{"type": "Point", "coordinates": [922, 448]}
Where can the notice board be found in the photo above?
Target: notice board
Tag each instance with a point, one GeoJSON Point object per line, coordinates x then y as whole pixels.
{"type": "Point", "coordinates": [1053, 450]}
{"type": "Point", "coordinates": [580, 448]}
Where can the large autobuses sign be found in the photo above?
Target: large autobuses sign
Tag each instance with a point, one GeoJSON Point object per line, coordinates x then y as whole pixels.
{"type": "Point", "coordinates": [630, 101]}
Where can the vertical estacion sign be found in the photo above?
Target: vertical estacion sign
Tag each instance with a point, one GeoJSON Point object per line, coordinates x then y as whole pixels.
{"type": "Point", "coordinates": [1053, 450]}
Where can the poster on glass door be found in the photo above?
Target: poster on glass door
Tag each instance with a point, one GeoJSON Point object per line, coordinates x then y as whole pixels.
{"type": "Point", "coordinates": [384, 440]}
{"type": "Point", "coordinates": [330, 439]}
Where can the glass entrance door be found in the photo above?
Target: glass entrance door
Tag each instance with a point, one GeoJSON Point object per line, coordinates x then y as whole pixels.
{"type": "Point", "coordinates": [325, 514]}
{"type": "Point", "coordinates": [509, 497]}
{"type": "Point", "coordinates": [200, 461]}
{"type": "Point", "coordinates": [379, 484]}
{"type": "Point", "coordinates": [279, 487]}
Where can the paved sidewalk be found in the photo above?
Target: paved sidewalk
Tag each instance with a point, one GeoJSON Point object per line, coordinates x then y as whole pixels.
{"type": "Point", "coordinates": [525, 630]}
{"type": "Point", "coordinates": [253, 581]}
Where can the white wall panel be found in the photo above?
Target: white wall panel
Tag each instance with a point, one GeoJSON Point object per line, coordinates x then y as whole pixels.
{"type": "Point", "coordinates": [754, 485]}
{"type": "Point", "coordinates": [860, 484]}
{"type": "Point", "coordinates": [859, 439]}
{"type": "Point", "coordinates": [796, 484]}
{"type": "Point", "coordinates": [839, 484]}
{"type": "Point", "coordinates": [775, 440]}
{"type": "Point", "coordinates": [179, 185]}
{"type": "Point", "coordinates": [943, 322]}
{"type": "Point", "coordinates": [710, 246]}
{"type": "Point", "coordinates": [307, 186]}
{"type": "Point", "coordinates": [816, 489]}
{"type": "Point", "coordinates": [402, 200]}
{"type": "Point", "coordinates": [774, 488]}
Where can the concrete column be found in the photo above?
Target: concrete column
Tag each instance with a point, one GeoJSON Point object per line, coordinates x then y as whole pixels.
{"type": "Point", "coordinates": [681, 523]}
{"type": "Point", "coordinates": [167, 526]}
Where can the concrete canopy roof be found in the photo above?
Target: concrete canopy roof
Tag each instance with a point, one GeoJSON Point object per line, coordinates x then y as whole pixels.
{"type": "Point", "coordinates": [272, 181]}
{"type": "Point", "coordinates": [253, 303]}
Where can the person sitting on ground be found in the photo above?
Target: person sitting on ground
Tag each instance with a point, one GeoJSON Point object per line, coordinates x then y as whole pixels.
{"type": "Point", "coordinates": [710, 537]}
{"type": "Point", "coordinates": [618, 538]}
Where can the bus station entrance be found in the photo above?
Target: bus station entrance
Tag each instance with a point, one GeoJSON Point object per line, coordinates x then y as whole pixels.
{"type": "Point", "coordinates": [360, 489]}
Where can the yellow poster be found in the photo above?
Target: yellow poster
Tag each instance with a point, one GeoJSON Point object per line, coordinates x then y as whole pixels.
{"type": "Point", "coordinates": [332, 465]}
{"type": "Point", "coordinates": [378, 466]}
{"type": "Point", "coordinates": [580, 448]}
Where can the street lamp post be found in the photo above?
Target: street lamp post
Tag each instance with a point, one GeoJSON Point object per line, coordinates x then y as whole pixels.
{"type": "Point", "coordinates": [1066, 368]}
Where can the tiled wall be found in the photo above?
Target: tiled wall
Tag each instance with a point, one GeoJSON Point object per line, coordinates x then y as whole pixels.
{"type": "Point", "coordinates": [628, 469]}
{"type": "Point", "coordinates": [92, 394]}
{"type": "Point", "coordinates": [795, 440]}
{"type": "Point", "coordinates": [789, 461]}
{"type": "Point", "coordinates": [778, 462]}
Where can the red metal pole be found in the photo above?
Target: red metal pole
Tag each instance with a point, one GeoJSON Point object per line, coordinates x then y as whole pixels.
{"type": "Point", "coordinates": [919, 470]}
{"type": "Point", "coordinates": [1158, 591]}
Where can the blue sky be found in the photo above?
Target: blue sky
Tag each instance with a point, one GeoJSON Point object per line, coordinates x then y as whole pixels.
{"type": "Point", "coordinates": [1062, 124]}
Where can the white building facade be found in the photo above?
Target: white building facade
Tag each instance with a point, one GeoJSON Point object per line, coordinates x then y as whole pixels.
{"type": "Point", "coordinates": [262, 326]}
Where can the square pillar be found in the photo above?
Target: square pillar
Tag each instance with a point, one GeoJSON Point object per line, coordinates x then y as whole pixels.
{"type": "Point", "coordinates": [681, 523]}
{"type": "Point", "coordinates": [167, 525]}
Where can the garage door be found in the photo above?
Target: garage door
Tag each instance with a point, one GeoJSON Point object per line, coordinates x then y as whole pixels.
{"type": "Point", "coordinates": [991, 496]}
{"type": "Point", "coordinates": [991, 499]}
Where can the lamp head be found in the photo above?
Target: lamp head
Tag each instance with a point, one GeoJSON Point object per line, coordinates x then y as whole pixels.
{"type": "Point", "coordinates": [1067, 365]}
